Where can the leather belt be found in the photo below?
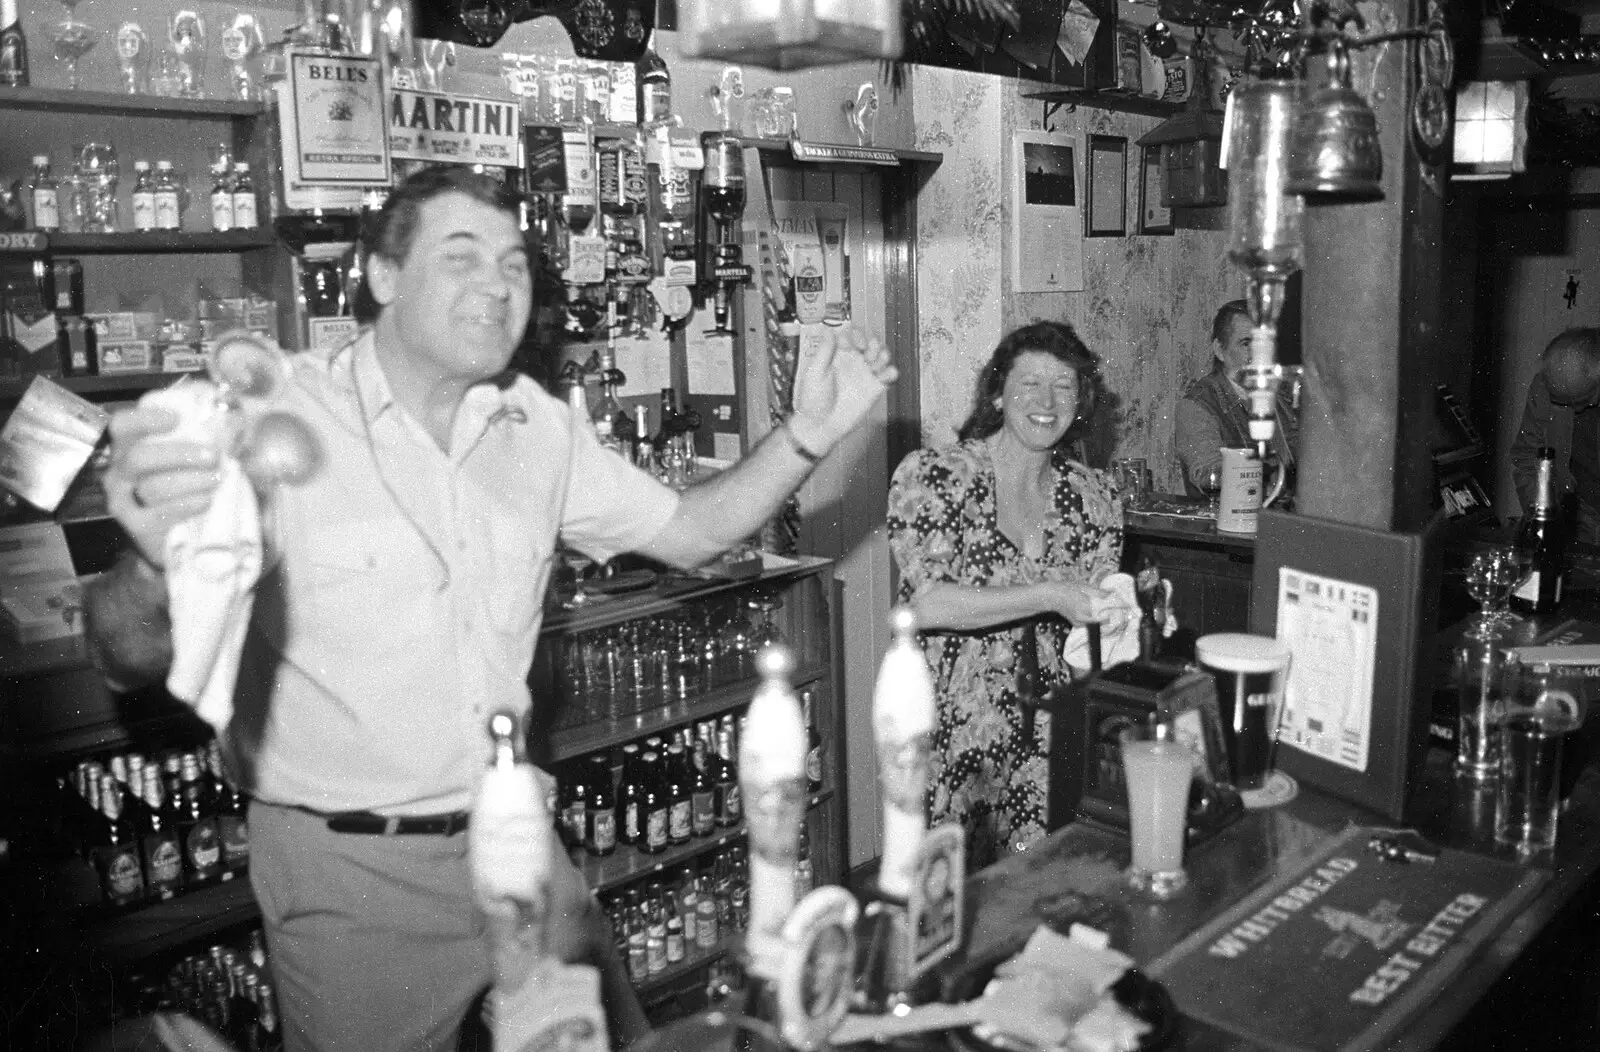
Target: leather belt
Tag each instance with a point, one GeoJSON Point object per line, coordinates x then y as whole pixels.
{"type": "Point", "coordinates": [370, 824]}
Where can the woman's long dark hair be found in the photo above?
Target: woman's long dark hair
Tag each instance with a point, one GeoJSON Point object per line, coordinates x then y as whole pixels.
{"type": "Point", "coordinates": [1046, 337]}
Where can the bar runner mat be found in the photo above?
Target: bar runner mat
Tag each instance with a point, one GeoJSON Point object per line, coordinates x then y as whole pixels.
{"type": "Point", "coordinates": [1341, 952]}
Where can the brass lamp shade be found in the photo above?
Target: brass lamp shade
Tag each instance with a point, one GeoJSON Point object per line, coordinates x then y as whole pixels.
{"type": "Point", "coordinates": [1335, 150]}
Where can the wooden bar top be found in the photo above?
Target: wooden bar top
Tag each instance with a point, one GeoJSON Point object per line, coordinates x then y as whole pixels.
{"type": "Point", "coordinates": [1164, 517]}
{"type": "Point", "coordinates": [1007, 901]}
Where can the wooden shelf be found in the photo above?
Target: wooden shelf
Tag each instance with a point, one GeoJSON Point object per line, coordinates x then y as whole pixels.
{"type": "Point", "coordinates": [593, 735]}
{"type": "Point", "coordinates": [141, 242]}
{"type": "Point", "coordinates": [627, 864]}
{"type": "Point", "coordinates": [167, 925]}
{"type": "Point", "coordinates": [37, 659]}
{"type": "Point", "coordinates": [678, 969]}
{"type": "Point", "coordinates": [1105, 101]}
{"type": "Point", "coordinates": [111, 104]}
{"type": "Point", "coordinates": [670, 593]}
{"type": "Point", "coordinates": [903, 156]}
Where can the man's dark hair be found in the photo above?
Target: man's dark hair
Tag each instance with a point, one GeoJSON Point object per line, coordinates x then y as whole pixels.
{"type": "Point", "coordinates": [1047, 337]}
{"type": "Point", "coordinates": [390, 232]}
{"type": "Point", "coordinates": [1224, 319]}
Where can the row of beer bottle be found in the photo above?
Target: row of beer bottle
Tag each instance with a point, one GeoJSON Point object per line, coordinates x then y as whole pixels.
{"type": "Point", "coordinates": [152, 830]}
{"type": "Point", "coordinates": [228, 988]}
{"type": "Point", "coordinates": [667, 792]}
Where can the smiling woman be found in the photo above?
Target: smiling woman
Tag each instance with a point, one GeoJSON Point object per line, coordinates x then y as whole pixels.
{"type": "Point", "coordinates": [997, 536]}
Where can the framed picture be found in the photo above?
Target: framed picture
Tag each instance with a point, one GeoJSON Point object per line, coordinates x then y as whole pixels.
{"type": "Point", "coordinates": [1355, 606]}
{"type": "Point", "coordinates": [1047, 207]}
{"type": "Point", "coordinates": [1106, 187]}
{"type": "Point", "coordinates": [1155, 218]}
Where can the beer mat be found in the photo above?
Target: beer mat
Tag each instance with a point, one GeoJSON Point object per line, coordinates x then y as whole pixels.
{"type": "Point", "coordinates": [1368, 942]}
{"type": "Point", "coordinates": [1277, 790]}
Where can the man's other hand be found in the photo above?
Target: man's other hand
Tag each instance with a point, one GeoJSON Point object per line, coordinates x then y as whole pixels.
{"type": "Point", "coordinates": [156, 480]}
{"type": "Point", "coordinates": [837, 381]}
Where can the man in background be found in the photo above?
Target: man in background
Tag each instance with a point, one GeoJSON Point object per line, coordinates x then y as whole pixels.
{"type": "Point", "coordinates": [1563, 411]}
{"type": "Point", "coordinates": [1214, 414]}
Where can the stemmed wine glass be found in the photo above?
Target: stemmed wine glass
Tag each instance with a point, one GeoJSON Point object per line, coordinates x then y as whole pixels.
{"type": "Point", "coordinates": [72, 40]}
{"type": "Point", "coordinates": [579, 564]}
{"type": "Point", "coordinates": [1492, 576]}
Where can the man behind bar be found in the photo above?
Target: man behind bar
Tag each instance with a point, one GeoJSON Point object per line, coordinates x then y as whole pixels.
{"type": "Point", "coordinates": [404, 600]}
{"type": "Point", "coordinates": [1214, 413]}
{"type": "Point", "coordinates": [1563, 411]}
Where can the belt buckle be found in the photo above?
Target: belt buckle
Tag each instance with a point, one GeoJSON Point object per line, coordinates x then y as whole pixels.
{"type": "Point", "coordinates": [391, 825]}
{"type": "Point", "coordinates": [454, 822]}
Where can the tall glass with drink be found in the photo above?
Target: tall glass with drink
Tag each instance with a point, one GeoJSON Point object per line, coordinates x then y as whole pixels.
{"type": "Point", "coordinates": [1250, 672]}
{"type": "Point", "coordinates": [1529, 798]}
{"type": "Point", "coordinates": [1158, 768]}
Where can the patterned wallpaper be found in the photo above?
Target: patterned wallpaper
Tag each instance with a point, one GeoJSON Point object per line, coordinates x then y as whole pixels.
{"type": "Point", "coordinates": [1147, 302]}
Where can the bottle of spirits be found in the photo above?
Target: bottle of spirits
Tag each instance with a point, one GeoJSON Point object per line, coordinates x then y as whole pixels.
{"type": "Point", "coordinates": [197, 827]}
{"type": "Point", "coordinates": [725, 777]}
{"type": "Point", "coordinates": [656, 808]}
{"type": "Point", "coordinates": [13, 47]}
{"type": "Point", "coordinates": [675, 936]}
{"type": "Point", "coordinates": [169, 211]}
{"type": "Point", "coordinates": [116, 855]}
{"type": "Point", "coordinates": [44, 196]}
{"type": "Point", "coordinates": [1541, 544]}
{"type": "Point", "coordinates": [702, 800]}
{"type": "Point", "coordinates": [244, 197]}
{"type": "Point", "coordinates": [575, 805]}
{"type": "Point", "coordinates": [630, 798]}
{"type": "Point", "coordinates": [163, 857]}
{"type": "Point", "coordinates": [600, 838]}
{"type": "Point", "coordinates": [638, 941]}
{"type": "Point", "coordinates": [233, 829]}
{"type": "Point", "coordinates": [813, 744]}
{"type": "Point", "coordinates": [802, 866]}
{"type": "Point", "coordinates": [655, 87]}
{"type": "Point", "coordinates": [608, 414]}
{"type": "Point", "coordinates": [679, 805]}
{"type": "Point", "coordinates": [221, 198]}
{"type": "Point", "coordinates": [644, 452]}
{"type": "Point", "coordinates": [144, 197]}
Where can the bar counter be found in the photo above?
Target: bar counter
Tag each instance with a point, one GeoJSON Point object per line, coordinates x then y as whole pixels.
{"type": "Point", "coordinates": [1007, 901]}
{"type": "Point", "coordinates": [1209, 570]}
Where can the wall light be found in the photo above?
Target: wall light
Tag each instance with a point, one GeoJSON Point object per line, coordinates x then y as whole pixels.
{"type": "Point", "coordinates": [790, 34]}
{"type": "Point", "coordinates": [1491, 129]}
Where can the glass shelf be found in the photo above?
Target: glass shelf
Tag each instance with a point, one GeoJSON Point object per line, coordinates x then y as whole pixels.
{"type": "Point", "coordinates": [108, 103]}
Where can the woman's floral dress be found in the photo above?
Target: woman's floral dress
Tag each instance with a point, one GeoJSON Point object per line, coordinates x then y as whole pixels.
{"type": "Point", "coordinates": [987, 772]}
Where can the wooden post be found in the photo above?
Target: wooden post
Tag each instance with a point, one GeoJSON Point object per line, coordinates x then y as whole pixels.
{"type": "Point", "coordinates": [1372, 308]}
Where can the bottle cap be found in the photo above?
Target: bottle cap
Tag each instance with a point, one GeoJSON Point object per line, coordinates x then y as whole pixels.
{"type": "Point", "coordinates": [41, 158]}
{"type": "Point", "coordinates": [242, 166]}
{"type": "Point", "coordinates": [164, 166]}
{"type": "Point", "coordinates": [141, 166]}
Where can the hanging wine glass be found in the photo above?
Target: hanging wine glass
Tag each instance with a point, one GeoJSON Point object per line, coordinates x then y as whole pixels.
{"type": "Point", "coordinates": [579, 564]}
{"type": "Point", "coordinates": [764, 628]}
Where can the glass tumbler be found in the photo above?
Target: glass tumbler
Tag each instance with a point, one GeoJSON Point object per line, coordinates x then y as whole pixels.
{"type": "Point", "coordinates": [1479, 673]}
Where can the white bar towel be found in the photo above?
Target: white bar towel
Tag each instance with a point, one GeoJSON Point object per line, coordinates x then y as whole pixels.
{"type": "Point", "coordinates": [213, 563]}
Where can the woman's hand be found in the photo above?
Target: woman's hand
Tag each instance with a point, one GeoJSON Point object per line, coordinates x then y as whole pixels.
{"type": "Point", "coordinates": [1084, 604]}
